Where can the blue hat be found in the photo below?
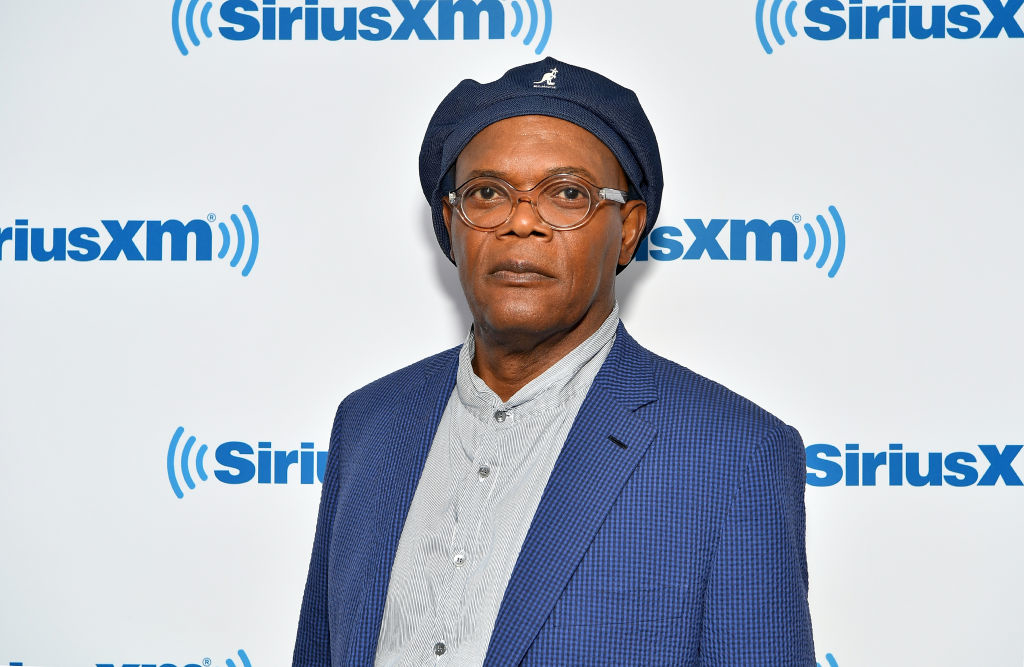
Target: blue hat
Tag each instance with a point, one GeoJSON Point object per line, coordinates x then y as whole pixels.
{"type": "Point", "coordinates": [547, 88]}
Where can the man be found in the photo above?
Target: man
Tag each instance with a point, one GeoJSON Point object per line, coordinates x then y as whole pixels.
{"type": "Point", "coordinates": [550, 492]}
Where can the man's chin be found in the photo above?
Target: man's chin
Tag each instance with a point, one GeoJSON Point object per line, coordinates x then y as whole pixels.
{"type": "Point", "coordinates": [526, 317]}
{"type": "Point", "coordinates": [522, 313]}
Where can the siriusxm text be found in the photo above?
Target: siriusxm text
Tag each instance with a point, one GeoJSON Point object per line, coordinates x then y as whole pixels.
{"type": "Point", "coordinates": [133, 240]}
{"type": "Point", "coordinates": [271, 466]}
{"type": "Point", "coordinates": [400, 20]}
{"type": "Point", "coordinates": [898, 19]}
{"type": "Point", "coordinates": [827, 465]}
{"type": "Point", "coordinates": [666, 243]}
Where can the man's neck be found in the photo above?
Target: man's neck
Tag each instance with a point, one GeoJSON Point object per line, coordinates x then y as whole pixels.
{"type": "Point", "coordinates": [508, 361]}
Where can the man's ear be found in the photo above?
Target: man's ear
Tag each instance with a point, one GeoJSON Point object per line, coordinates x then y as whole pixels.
{"type": "Point", "coordinates": [446, 213]}
{"type": "Point", "coordinates": [633, 221]}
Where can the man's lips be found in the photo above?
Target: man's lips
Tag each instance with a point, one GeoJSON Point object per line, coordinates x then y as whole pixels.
{"type": "Point", "coordinates": [518, 270]}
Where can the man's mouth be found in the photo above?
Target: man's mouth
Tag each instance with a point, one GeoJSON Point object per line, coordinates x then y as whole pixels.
{"type": "Point", "coordinates": [518, 270]}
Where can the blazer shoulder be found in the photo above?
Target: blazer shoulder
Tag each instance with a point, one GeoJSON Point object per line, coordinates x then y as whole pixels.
{"type": "Point", "coordinates": [711, 404]}
{"type": "Point", "coordinates": [703, 425]}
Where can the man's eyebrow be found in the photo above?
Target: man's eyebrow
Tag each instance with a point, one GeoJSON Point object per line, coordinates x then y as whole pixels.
{"type": "Point", "coordinates": [492, 173]}
{"type": "Point", "coordinates": [576, 171]}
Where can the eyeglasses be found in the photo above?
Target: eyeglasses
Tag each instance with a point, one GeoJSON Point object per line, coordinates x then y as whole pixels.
{"type": "Point", "coordinates": [563, 201]}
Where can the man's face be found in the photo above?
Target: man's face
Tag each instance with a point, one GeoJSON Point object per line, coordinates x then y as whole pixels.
{"type": "Point", "coordinates": [525, 279]}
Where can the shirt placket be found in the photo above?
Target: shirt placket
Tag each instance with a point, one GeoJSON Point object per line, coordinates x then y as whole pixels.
{"type": "Point", "coordinates": [474, 506]}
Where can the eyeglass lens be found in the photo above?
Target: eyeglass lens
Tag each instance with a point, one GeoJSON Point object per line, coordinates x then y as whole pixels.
{"type": "Point", "coordinates": [563, 202]}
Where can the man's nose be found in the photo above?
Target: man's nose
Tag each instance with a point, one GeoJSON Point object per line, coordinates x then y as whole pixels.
{"type": "Point", "coordinates": [525, 221]}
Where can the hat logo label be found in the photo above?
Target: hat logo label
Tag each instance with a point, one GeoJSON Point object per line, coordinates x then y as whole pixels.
{"type": "Point", "coordinates": [548, 80]}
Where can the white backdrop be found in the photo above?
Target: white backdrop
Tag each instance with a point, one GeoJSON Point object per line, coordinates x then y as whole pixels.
{"type": "Point", "coordinates": [915, 340]}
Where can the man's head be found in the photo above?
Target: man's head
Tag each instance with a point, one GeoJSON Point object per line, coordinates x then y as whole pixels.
{"type": "Point", "coordinates": [524, 273]}
{"type": "Point", "coordinates": [531, 264]}
{"type": "Point", "coordinates": [553, 88]}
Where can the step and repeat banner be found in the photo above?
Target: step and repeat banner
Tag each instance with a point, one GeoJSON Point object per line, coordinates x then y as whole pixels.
{"type": "Point", "coordinates": [211, 231]}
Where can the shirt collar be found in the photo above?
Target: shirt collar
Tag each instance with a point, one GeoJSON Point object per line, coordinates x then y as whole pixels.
{"type": "Point", "coordinates": [551, 388]}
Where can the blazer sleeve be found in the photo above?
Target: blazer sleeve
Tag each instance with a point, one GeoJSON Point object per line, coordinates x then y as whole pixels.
{"type": "Point", "coordinates": [756, 610]}
{"type": "Point", "coordinates": [313, 641]}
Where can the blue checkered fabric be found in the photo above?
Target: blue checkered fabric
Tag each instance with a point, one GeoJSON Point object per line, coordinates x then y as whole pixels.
{"type": "Point", "coordinates": [671, 530]}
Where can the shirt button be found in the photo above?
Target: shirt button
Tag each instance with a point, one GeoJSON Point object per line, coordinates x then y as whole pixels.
{"type": "Point", "coordinates": [439, 648]}
{"type": "Point", "coordinates": [500, 415]}
{"type": "Point", "coordinates": [484, 471]}
{"type": "Point", "coordinates": [459, 559]}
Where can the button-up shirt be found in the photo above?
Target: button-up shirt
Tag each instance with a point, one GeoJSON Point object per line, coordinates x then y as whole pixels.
{"type": "Point", "coordinates": [480, 487]}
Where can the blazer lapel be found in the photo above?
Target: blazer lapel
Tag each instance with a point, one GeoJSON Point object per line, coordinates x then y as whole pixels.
{"type": "Point", "coordinates": [417, 416]}
{"type": "Point", "coordinates": [603, 447]}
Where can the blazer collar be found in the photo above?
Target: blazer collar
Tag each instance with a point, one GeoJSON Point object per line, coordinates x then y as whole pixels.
{"type": "Point", "coordinates": [627, 374]}
{"type": "Point", "coordinates": [603, 446]}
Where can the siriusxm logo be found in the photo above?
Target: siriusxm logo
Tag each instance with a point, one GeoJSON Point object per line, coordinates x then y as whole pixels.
{"type": "Point", "coordinates": [271, 466]}
{"type": "Point", "coordinates": [827, 466]}
{"type": "Point", "coordinates": [206, 662]}
{"type": "Point", "coordinates": [666, 243]}
{"type": "Point", "coordinates": [897, 19]}
{"type": "Point", "coordinates": [830, 661]}
{"type": "Point", "coordinates": [118, 240]}
{"type": "Point", "coordinates": [330, 20]}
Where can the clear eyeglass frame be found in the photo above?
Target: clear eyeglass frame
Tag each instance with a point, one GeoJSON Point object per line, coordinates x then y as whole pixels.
{"type": "Point", "coordinates": [596, 195]}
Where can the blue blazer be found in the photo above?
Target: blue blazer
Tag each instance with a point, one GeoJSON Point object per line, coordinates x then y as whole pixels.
{"type": "Point", "coordinates": [671, 530]}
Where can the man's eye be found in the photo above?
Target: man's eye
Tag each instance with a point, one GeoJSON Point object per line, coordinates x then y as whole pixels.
{"type": "Point", "coordinates": [568, 194]}
{"type": "Point", "coordinates": [485, 193]}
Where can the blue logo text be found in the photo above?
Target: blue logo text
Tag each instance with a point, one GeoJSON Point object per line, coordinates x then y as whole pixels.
{"type": "Point", "coordinates": [827, 465]}
{"type": "Point", "coordinates": [134, 241]}
{"type": "Point", "coordinates": [829, 20]}
{"type": "Point", "coordinates": [705, 239]}
{"type": "Point", "coordinates": [241, 463]}
{"type": "Point", "coordinates": [426, 20]}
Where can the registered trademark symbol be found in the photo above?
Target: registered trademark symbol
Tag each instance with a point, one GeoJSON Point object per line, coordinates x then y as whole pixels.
{"type": "Point", "coordinates": [206, 661]}
{"type": "Point", "coordinates": [210, 218]}
{"type": "Point", "coordinates": [796, 217]}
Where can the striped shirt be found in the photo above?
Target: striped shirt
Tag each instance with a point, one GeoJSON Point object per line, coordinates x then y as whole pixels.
{"type": "Point", "coordinates": [481, 483]}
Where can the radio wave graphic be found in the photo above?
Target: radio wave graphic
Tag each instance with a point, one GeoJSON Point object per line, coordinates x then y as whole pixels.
{"type": "Point", "coordinates": [180, 461]}
{"type": "Point", "coordinates": [189, 21]}
{"type": "Point", "coordinates": [240, 242]}
{"type": "Point", "coordinates": [241, 656]}
{"type": "Point", "coordinates": [535, 21]}
{"type": "Point", "coordinates": [830, 660]}
{"type": "Point", "coordinates": [826, 241]}
{"type": "Point", "coordinates": [772, 19]}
